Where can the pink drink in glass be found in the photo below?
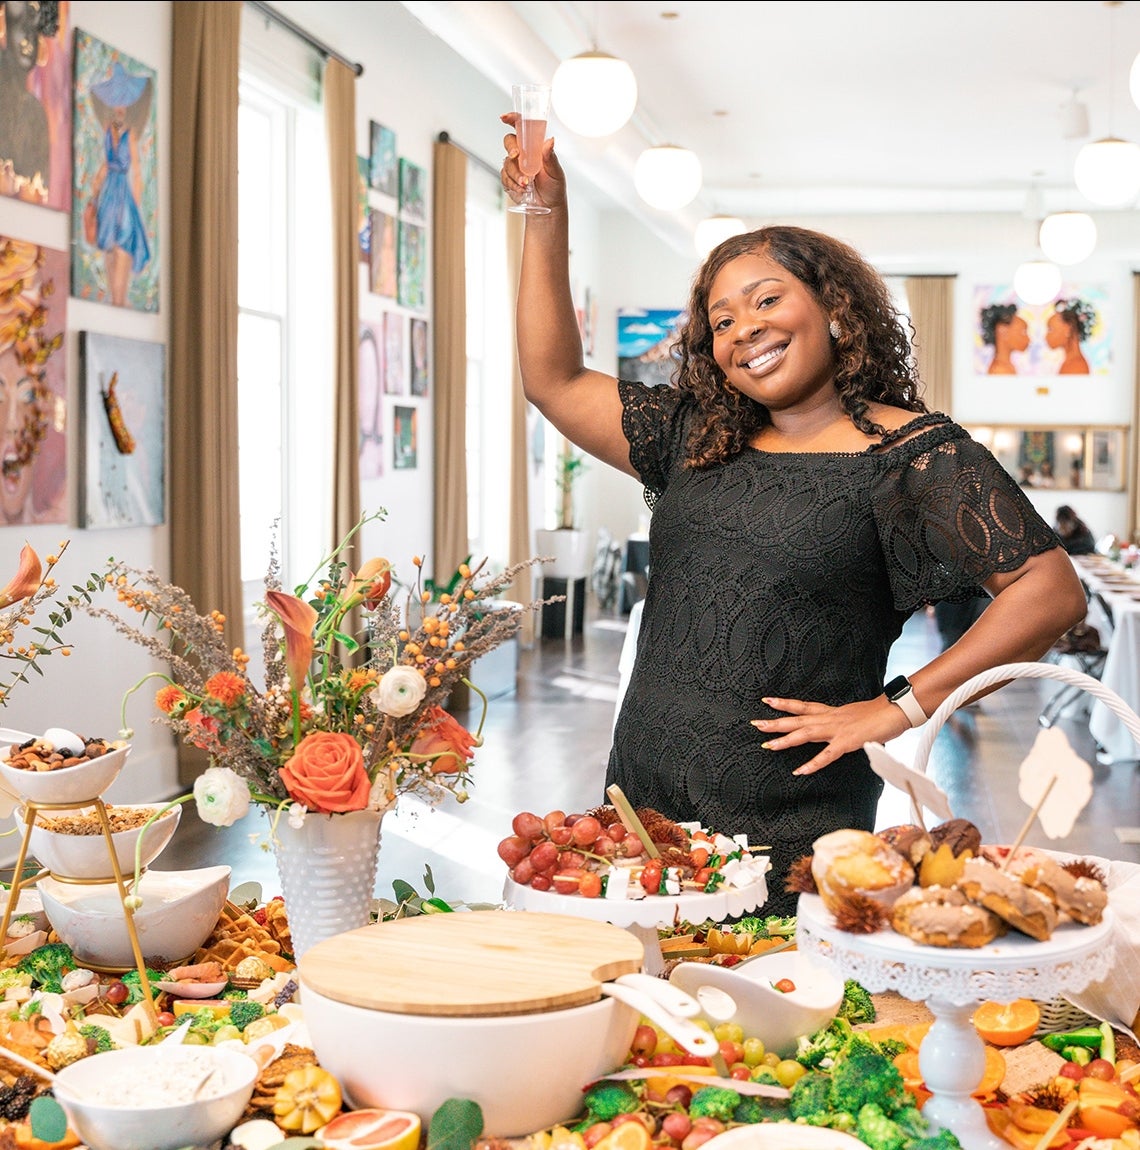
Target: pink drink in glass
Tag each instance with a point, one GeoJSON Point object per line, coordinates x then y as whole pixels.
{"type": "Point", "coordinates": [531, 134]}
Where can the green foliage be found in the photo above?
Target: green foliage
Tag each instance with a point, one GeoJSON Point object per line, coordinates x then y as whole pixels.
{"type": "Point", "coordinates": [100, 1034]}
{"type": "Point", "coordinates": [455, 1125]}
{"type": "Point", "coordinates": [714, 1102]}
{"type": "Point", "coordinates": [49, 1123]}
{"type": "Point", "coordinates": [47, 965]}
{"type": "Point", "coordinates": [606, 1100]}
{"type": "Point", "coordinates": [245, 1011]}
{"type": "Point", "coordinates": [857, 1005]}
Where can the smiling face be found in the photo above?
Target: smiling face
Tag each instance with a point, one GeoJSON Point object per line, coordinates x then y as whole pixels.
{"type": "Point", "coordinates": [770, 336]}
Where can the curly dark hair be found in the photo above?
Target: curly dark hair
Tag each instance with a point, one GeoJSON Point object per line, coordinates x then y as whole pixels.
{"type": "Point", "coordinates": [1080, 316]}
{"type": "Point", "coordinates": [873, 361]}
{"type": "Point", "coordinates": [991, 316]}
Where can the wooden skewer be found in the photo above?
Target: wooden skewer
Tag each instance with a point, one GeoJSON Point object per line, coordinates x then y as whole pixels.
{"type": "Point", "coordinates": [1028, 823]}
{"type": "Point", "coordinates": [630, 820]}
{"type": "Point", "coordinates": [1129, 1074]}
{"type": "Point", "coordinates": [915, 806]}
{"type": "Point", "coordinates": [1059, 1123]}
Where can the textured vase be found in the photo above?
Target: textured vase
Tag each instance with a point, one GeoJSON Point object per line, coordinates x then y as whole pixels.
{"type": "Point", "coordinates": [327, 869]}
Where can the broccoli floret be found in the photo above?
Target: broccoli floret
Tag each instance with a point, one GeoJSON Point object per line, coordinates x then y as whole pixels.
{"type": "Point", "coordinates": [100, 1034]}
{"type": "Point", "coordinates": [748, 924]}
{"type": "Point", "coordinates": [765, 1076]}
{"type": "Point", "coordinates": [919, 1133]}
{"type": "Point", "coordinates": [811, 1099]}
{"type": "Point", "coordinates": [943, 1140]}
{"type": "Point", "coordinates": [606, 1100]}
{"type": "Point", "coordinates": [819, 1050]}
{"type": "Point", "coordinates": [856, 1005]}
{"type": "Point", "coordinates": [48, 964]}
{"type": "Point", "coordinates": [877, 1130]}
{"type": "Point", "coordinates": [133, 984]}
{"type": "Point", "coordinates": [714, 1102]}
{"type": "Point", "coordinates": [892, 1047]}
{"type": "Point", "coordinates": [753, 1109]}
{"type": "Point", "coordinates": [206, 1020]}
{"type": "Point", "coordinates": [13, 977]}
{"type": "Point", "coordinates": [777, 927]}
{"type": "Point", "coordinates": [243, 1011]}
{"type": "Point", "coordinates": [863, 1074]}
{"type": "Point", "coordinates": [234, 993]}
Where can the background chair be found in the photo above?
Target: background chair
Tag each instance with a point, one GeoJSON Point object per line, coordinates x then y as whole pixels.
{"type": "Point", "coordinates": [1086, 647]}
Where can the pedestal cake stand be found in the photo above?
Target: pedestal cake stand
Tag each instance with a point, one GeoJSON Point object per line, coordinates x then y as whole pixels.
{"type": "Point", "coordinates": [952, 983]}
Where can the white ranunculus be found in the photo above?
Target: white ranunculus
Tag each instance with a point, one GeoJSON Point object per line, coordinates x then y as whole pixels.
{"type": "Point", "coordinates": [380, 796]}
{"type": "Point", "coordinates": [400, 691]}
{"type": "Point", "coordinates": [222, 797]}
{"type": "Point", "coordinates": [297, 813]}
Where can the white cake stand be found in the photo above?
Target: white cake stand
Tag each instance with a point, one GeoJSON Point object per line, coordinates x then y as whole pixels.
{"type": "Point", "coordinates": [642, 916]}
{"type": "Point", "coordinates": [952, 982]}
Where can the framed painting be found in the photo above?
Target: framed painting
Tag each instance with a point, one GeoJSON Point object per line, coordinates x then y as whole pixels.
{"type": "Point", "coordinates": [412, 192]}
{"type": "Point", "coordinates": [394, 354]}
{"type": "Point", "coordinates": [645, 344]}
{"type": "Point", "coordinates": [371, 390]}
{"type": "Point", "coordinates": [35, 95]}
{"type": "Point", "coordinates": [419, 359]}
{"type": "Point", "coordinates": [404, 438]}
{"type": "Point", "coordinates": [412, 263]}
{"type": "Point", "coordinates": [383, 266]}
{"type": "Point", "coordinates": [382, 170]}
{"type": "Point", "coordinates": [33, 383]}
{"type": "Point", "coordinates": [114, 225]}
{"type": "Point", "coordinates": [363, 211]}
{"type": "Point", "coordinates": [123, 440]}
{"type": "Point", "coordinates": [1106, 458]}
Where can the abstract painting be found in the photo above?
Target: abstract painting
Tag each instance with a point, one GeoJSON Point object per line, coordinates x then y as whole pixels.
{"type": "Point", "coordinates": [404, 438]}
{"type": "Point", "coordinates": [114, 224]}
{"type": "Point", "coordinates": [33, 384]}
{"type": "Point", "coordinates": [371, 390]}
{"type": "Point", "coordinates": [394, 354]}
{"type": "Point", "coordinates": [419, 362]}
{"type": "Point", "coordinates": [35, 95]}
{"type": "Point", "coordinates": [412, 180]}
{"type": "Point", "coordinates": [363, 213]}
{"type": "Point", "coordinates": [383, 268]}
{"type": "Point", "coordinates": [413, 258]}
{"type": "Point", "coordinates": [123, 416]}
{"type": "Point", "coordinates": [645, 344]}
{"type": "Point", "coordinates": [382, 159]}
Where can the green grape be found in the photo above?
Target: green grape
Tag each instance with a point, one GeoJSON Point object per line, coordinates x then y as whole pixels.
{"type": "Point", "coordinates": [729, 1032]}
{"type": "Point", "coordinates": [665, 1044]}
{"type": "Point", "coordinates": [771, 1058]}
{"type": "Point", "coordinates": [224, 1033]}
{"type": "Point", "coordinates": [789, 1072]}
{"type": "Point", "coordinates": [753, 1051]}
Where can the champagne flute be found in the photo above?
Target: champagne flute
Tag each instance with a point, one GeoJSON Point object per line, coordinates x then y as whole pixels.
{"type": "Point", "coordinates": [532, 103]}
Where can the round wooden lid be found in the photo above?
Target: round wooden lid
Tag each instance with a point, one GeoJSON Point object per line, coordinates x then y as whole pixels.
{"type": "Point", "coordinates": [471, 963]}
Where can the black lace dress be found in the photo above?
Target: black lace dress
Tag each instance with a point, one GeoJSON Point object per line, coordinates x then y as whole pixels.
{"type": "Point", "coordinates": [790, 575]}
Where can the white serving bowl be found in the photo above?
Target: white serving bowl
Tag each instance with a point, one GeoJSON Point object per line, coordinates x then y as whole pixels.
{"type": "Point", "coordinates": [86, 855]}
{"type": "Point", "coordinates": [783, 1136]}
{"type": "Point", "coordinates": [778, 1019]}
{"type": "Point", "coordinates": [179, 909]}
{"type": "Point", "coordinates": [68, 785]}
{"type": "Point", "coordinates": [416, 1062]}
{"type": "Point", "coordinates": [103, 1096]}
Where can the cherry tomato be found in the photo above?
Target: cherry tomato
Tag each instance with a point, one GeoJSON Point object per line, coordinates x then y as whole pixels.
{"type": "Point", "coordinates": [590, 885]}
{"type": "Point", "coordinates": [785, 985]}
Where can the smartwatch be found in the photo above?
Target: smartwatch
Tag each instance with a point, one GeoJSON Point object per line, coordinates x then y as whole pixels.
{"type": "Point", "coordinates": [901, 693]}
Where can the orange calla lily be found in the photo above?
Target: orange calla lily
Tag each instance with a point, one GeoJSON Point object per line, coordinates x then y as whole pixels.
{"type": "Point", "coordinates": [370, 583]}
{"type": "Point", "coordinates": [26, 580]}
{"type": "Point", "coordinates": [298, 619]}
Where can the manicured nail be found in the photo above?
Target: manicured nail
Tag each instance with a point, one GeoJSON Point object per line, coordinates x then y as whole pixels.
{"type": "Point", "coordinates": [766, 746]}
{"type": "Point", "coordinates": [757, 723]}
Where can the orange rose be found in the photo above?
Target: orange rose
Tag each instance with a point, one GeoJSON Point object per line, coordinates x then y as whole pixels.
{"type": "Point", "coordinates": [450, 743]}
{"type": "Point", "coordinates": [326, 773]}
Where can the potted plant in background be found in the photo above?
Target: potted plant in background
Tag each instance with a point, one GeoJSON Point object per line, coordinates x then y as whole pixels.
{"type": "Point", "coordinates": [565, 544]}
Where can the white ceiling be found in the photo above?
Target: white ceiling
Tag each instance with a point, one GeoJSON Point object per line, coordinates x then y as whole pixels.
{"type": "Point", "coordinates": [829, 108]}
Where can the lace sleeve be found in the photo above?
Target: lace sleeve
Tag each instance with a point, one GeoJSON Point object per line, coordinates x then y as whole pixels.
{"type": "Point", "coordinates": [949, 516]}
{"type": "Point", "coordinates": [653, 419]}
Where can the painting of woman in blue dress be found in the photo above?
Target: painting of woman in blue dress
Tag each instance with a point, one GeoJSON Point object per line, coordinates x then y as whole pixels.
{"type": "Point", "coordinates": [115, 221]}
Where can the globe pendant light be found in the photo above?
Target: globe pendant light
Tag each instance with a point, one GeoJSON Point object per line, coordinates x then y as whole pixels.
{"type": "Point", "coordinates": [1037, 281]}
{"type": "Point", "coordinates": [1067, 237]}
{"type": "Point", "coordinates": [667, 177]}
{"type": "Point", "coordinates": [594, 94]}
{"type": "Point", "coordinates": [713, 230]}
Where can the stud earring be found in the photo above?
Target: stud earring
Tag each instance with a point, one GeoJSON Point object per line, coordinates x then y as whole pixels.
{"type": "Point", "coordinates": [833, 329]}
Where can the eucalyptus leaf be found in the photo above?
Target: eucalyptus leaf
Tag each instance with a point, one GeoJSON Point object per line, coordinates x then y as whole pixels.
{"type": "Point", "coordinates": [455, 1125]}
{"type": "Point", "coordinates": [246, 892]}
{"type": "Point", "coordinates": [49, 1123]}
{"type": "Point", "coordinates": [403, 891]}
{"type": "Point", "coordinates": [429, 879]}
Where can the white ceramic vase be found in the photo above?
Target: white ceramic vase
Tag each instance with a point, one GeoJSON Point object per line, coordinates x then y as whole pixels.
{"type": "Point", "coordinates": [327, 869]}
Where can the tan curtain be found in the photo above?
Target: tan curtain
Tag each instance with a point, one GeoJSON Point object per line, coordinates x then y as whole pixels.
{"type": "Point", "coordinates": [1132, 478]}
{"type": "Point", "coordinates": [205, 541]}
{"type": "Point", "coordinates": [449, 281]}
{"type": "Point", "coordinates": [931, 302]}
{"type": "Point", "coordinates": [522, 589]}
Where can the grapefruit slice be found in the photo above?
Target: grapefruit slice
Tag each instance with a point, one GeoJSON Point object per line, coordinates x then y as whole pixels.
{"type": "Point", "coordinates": [372, 1129]}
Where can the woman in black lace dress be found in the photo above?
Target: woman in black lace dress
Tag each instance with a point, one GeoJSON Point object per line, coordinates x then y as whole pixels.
{"type": "Point", "coordinates": [805, 503]}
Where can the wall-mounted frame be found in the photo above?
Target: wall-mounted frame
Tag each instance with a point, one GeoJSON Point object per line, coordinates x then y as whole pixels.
{"type": "Point", "coordinates": [1062, 457]}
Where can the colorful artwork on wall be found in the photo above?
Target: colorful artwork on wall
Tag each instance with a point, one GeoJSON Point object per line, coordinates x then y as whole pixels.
{"type": "Point", "coordinates": [371, 390]}
{"type": "Point", "coordinates": [1067, 336]}
{"type": "Point", "coordinates": [382, 159]}
{"type": "Point", "coordinates": [412, 191]}
{"type": "Point", "coordinates": [363, 212]}
{"type": "Point", "coordinates": [123, 417]}
{"type": "Point", "coordinates": [404, 438]}
{"type": "Point", "coordinates": [645, 340]}
{"type": "Point", "coordinates": [35, 96]}
{"type": "Point", "coordinates": [114, 225]}
{"type": "Point", "coordinates": [413, 260]}
{"type": "Point", "coordinates": [383, 258]}
{"type": "Point", "coordinates": [394, 354]}
{"type": "Point", "coordinates": [419, 362]}
{"type": "Point", "coordinates": [33, 384]}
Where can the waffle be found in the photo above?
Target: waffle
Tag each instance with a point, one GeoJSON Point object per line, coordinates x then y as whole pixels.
{"type": "Point", "coordinates": [292, 1057]}
{"type": "Point", "coordinates": [238, 935]}
{"type": "Point", "coordinates": [278, 924]}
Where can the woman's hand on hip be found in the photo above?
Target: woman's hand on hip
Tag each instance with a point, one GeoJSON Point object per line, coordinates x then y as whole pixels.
{"type": "Point", "coordinates": [842, 729]}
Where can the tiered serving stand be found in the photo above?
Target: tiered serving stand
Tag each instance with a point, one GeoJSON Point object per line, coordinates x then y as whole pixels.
{"type": "Point", "coordinates": [953, 982]}
{"type": "Point", "coordinates": [31, 808]}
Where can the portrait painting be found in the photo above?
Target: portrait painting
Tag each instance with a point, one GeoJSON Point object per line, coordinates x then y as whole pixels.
{"type": "Point", "coordinates": [645, 344]}
{"type": "Point", "coordinates": [122, 479]}
{"type": "Point", "coordinates": [404, 438]}
{"type": "Point", "coordinates": [419, 359]}
{"type": "Point", "coordinates": [412, 265]}
{"type": "Point", "coordinates": [114, 224]}
{"type": "Point", "coordinates": [35, 102]}
{"type": "Point", "coordinates": [383, 173]}
{"type": "Point", "coordinates": [33, 383]}
{"type": "Point", "coordinates": [412, 191]}
{"type": "Point", "coordinates": [363, 212]}
{"type": "Point", "coordinates": [371, 390]}
{"type": "Point", "coordinates": [383, 257]}
{"type": "Point", "coordinates": [1066, 336]}
{"type": "Point", "coordinates": [394, 354]}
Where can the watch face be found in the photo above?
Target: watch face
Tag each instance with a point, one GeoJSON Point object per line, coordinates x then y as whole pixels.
{"type": "Point", "coordinates": [899, 685]}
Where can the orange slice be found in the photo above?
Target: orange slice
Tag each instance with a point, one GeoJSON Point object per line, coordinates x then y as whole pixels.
{"type": "Point", "coordinates": [992, 1075]}
{"type": "Point", "coordinates": [627, 1136]}
{"type": "Point", "coordinates": [372, 1129]}
{"type": "Point", "coordinates": [1007, 1023]}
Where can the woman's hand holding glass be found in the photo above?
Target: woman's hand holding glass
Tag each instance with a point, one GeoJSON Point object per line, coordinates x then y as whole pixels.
{"type": "Point", "coordinates": [532, 194]}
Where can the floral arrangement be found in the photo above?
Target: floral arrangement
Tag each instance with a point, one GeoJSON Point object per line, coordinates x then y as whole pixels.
{"type": "Point", "coordinates": [341, 722]}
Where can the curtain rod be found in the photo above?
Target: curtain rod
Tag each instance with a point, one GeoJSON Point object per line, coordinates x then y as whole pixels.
{"type": "Point", "coordinates": [446, 138]}
{"type": "Point", "coordinates": [308, 37]}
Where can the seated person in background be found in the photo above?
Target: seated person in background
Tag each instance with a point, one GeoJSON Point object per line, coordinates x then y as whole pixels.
{"type": "Point", "coordinates": [1075, 533]}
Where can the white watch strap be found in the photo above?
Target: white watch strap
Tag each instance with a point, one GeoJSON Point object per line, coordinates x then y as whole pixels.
{"type": "Point", "coordinates": [910, 707]}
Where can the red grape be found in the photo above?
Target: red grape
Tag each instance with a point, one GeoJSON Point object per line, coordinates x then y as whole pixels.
{"type": "Point", "coordinates": [540, 882]}
{"type": "Point", "coordinates": [1073, 1070]}
{"type": "Point", "coordinates": [1101, 1068]}
{"type": "Point", "coordinates": [679, 1095]}
{"type": "Point", "coordinates": [513, 849]}
{"type": "Point", "coordinates": [165, 1018]}
{"type": "Point", "coordinates": [644, 1040]}
{"type": "Point", "coordinates": [528, 825]}
{"type": "Point", "coordinates": [698, 1136]}
{"type": "Point", "coordinates": [676, 1125]}
{"type": "Point", "coordinates": [116, 993]}
{"type": "Point", "coordinates": [571, 860]}
{"type": "Point", "coordinates": [586, 830]}
{"type": "Point", "coordinates": [732, 1052]}
{"type": "Point", "coordinates": [561, 836]}
{"type": "Point", "coordinates": [667, 1058]}
{"type": "Point", "coordinates": [544, 855]}
{"type": "Point", "coordinates": [566, 881]}
{"type": "Point", "coordinates": [605, 846]}
{"type": "Point", "coordinates": [592, 1135]}
{"type": "Point", "coordinates": [554, 819]}
{"type": "Point", "coordinates": [523, 871]}
{"type": "Point", "coordinates": [632, 845]}
{"type": "Point", "coordinates": [740, 1071]}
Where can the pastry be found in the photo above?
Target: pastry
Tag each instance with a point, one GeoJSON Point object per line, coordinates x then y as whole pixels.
{"type": "Point", "coordinates": [847, 862]}
{"type": "Point", "coordinates": [944, 916]}
{"type": "Point", "coordinates": [1083, 899]}
{"type": "Point", "coordinates": [909, 839]}
{"type": "Point", "coordinates": [1024, 908]}
{"type": "Point", "coordinates": [951, 843]}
